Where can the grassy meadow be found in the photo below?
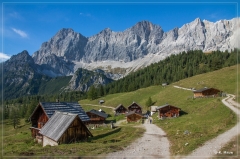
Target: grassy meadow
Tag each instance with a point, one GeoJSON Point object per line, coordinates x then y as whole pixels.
{"type": "Point", "coordinates": [203, 118]}
{"type": "Point", "coordinates": [19, 143]}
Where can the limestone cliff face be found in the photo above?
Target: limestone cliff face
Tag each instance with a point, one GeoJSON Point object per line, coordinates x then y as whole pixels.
{"type": "Point", "coordinates": [61, 53]}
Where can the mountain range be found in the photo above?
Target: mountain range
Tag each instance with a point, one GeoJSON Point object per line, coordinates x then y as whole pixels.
{"type": "Point", "coordinates": [111, 55]}
{"type": "Point", "coordinates": [133, 48]}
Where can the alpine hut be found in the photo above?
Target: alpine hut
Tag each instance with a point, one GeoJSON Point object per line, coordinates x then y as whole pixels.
{"type": "Point", "coordinates": [167, 110]}
{"type": "Point", "coordinates": [120, 109]}
{"type": "Point", "coordinates": [45, 110]}
{"type": "Point", "coordinates": [206, 92]}
{"type": "Point", "coordinates": [96, 117]}
{"type": "Point", "coordinates": [64, 127]}
{"type": "Point", "coordinates": [135, 107]}
{"type": "Point", "coordinates": [133, 116]}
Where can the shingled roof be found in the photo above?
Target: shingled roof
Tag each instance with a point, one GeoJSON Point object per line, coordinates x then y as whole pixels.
{"type": "Point", "coordinates": [58, 124]}
{"type": "Point", "coordinates": [203, 89]}
{"type": "Point", "coordinates": [50, 107]}
{"type": "Point", "coordinates": [159, 107]}
{"type": "Point", "coordinates": [134, 103]}
{"type": "Point", "coordinates": [133, 112]}
{"type": "Point", "coordinates": [104, 115]}
{"type": "Point", "coordinates": [119, 107]}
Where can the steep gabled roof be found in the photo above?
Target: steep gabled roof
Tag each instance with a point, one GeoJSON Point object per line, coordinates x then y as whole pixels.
{"type": "Point", "coordinates": [120, 106]}
{"type": "Point", "coordinates": [104, 115]}
{"type": "Point", "coordinates": [50, 107]}
{"type": "Point", "coordinates": [133, 112]}
{"type": "Point", "coordinates": [134, 104]}
{"type": "Point", "coordinates": [58, 124]}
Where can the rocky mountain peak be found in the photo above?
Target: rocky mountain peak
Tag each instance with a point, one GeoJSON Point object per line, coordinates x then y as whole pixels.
{"type": "Point", "coordinates": [145, 26]}
{"type": "Point", "coordinates": [105, 32]}
{"type": "Point", "coordinates": [21, 58]}
{"type": "Point", "coordinates": [142, 40]}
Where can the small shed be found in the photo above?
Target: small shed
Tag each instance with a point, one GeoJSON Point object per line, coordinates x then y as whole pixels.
{"type": "Point", "coordinates": [164, 84]}
{"type": "Point", "coordinates": [135, 107]}
{"type": "Point", "coordinates": [101, 101]}
{"type": "Point", "coordinates": [64, 127]}
{"type": "Point", "coordinates": [96, 117]}
{"type": "Point", "coordinates": [206, 92]}
{"type": "Point", "coordinates": [168, 110]}
{"type": "Point", "coordinates": [120, 109]}
{"type": "Point", "coordinates": [133, 116]}
{"type": "Point", "coordinates": [153, 109]}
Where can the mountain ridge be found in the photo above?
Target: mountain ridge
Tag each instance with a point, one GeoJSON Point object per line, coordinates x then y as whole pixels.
{"type": "Point", "coordinates": [134, 44]}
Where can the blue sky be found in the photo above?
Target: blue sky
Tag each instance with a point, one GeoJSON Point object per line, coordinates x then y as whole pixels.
{"type": "Point", "coordinates": [25, 26]}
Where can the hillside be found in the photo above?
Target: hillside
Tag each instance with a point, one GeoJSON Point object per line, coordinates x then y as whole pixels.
{"type": "Point", "coordinates": [224, 79]}
{"type": "Point", "coordinates": [204, 118]}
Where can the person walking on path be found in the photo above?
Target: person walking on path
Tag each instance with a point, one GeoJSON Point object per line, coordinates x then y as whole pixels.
{"type": "Point", "coordinates": [150, 119]}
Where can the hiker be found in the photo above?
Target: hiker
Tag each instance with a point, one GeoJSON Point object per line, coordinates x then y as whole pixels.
{"type": "Point", "coordinates": [150, 118]}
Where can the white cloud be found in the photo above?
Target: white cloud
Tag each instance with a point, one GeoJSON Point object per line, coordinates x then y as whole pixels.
{"type": "Point", "coordinates": [20, 32]}
{"type": "Point", "coordinates": [3, 57]}
{"type": "Point", "coordinates": [85, 14]}
{"type": "Point", "coordinates": [16, 15]}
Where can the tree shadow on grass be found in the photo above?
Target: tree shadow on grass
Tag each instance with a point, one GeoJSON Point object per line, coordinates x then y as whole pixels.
{"type": "Point", "coordinates": [104, 135]}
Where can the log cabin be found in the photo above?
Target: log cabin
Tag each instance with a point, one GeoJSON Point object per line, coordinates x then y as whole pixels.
{"type": "Point", "coordinates": [133, 116]}
{"type": "Point", "coordinates": [44, 111]}
{"type": "Point", "coordinates": [96, 117]}
{"type": "Point", "coordinates": [65, 128]}
{"type": "Point", "coordinates": [167, 111]}
{"type": "Point", "coordinates": [120, 109]}
{"type": "Point", "coordinates": [135, 107]}
{"type": "Point", "coordinates": [206, 92]}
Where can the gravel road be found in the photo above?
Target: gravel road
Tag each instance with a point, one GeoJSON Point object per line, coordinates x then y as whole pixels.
{"type": "Point", "coordinates": [212, 147]}
{"type": "Point", "coordinates": [153, 144]}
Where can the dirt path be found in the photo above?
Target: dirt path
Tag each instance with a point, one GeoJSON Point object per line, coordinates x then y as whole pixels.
{"type": "Point", "coordinates": [183, 88]}
{"type": "Point", "coordinates": [100, 106]}
{"type": "Point", "coordinates": [153, 144]}
{"type": "Point", "coordinates": [212, 147]}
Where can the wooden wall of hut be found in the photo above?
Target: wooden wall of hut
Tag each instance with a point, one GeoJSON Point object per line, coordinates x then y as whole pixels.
{"type": "Point", "coordinates": [75, 132]}
{"type": "Point", "coordinates": [134, 118]}
{"type": "Point", "coordinates": [169, 112]}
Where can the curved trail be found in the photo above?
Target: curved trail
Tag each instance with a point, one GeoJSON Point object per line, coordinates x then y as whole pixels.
{"type": "Point", "coordinates": [212, 147]}
{"type": "Point", "coordinates": [153, 144]}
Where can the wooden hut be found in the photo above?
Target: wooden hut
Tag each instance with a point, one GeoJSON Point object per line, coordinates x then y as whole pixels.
{"type": "Point", "coordinates": [167, 110]}
{"type": "Point", "coordinates": [120, 109]}
{"type": "Point", "coordinates": [64, 127]}
{"type": "Point", "coordinates": [133, 116]}
{"type": "Point", "coordinates": [96, 117]}
{"type": "Point", "coordinates": [101, 101]}
{"type": "Point", "coordinates": [206, 92]}
{"type": "Point", "coordinates": [164, 84]}
{"type": "Point", "coordinates": [135, 107]}
{"type": "Point", "coordinates": [44, 111]}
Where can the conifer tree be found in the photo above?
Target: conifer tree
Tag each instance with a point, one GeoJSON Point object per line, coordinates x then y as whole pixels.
{"type": "Point", "coordinates": [15, 119]}
{"type": "Point", "coordinates": [149, 102]}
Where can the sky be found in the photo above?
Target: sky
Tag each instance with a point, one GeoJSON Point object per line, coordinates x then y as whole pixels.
{"type": "Point", "coordinates": [25, 26]}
